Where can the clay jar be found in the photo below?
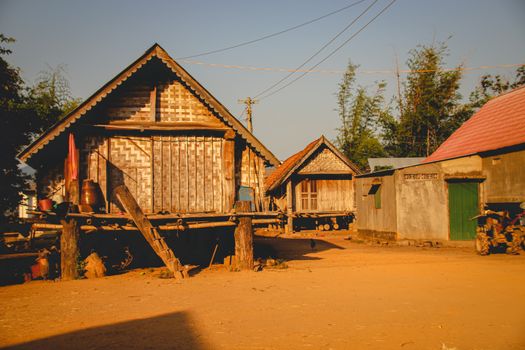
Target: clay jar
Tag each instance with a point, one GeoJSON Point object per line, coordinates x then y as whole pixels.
{"type": "Point", "coordinates": [89, 195]}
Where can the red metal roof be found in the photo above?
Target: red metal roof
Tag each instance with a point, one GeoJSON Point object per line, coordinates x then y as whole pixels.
{"type": "Point", "coordinates": [499, 123]}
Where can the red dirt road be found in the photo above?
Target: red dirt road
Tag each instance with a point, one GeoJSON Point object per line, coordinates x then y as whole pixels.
{"type": "Point", "coordinates": [341, 295]}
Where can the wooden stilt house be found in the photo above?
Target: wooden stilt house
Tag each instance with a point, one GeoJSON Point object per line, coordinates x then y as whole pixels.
{"type": "Point", "coordinates": [315, 187]}
{"type": "Point", "coordinates": [155, 129]}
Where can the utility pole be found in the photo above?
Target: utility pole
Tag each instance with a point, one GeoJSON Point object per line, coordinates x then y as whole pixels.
{"type": "Point", "coordinates": [248, 101]}
{"type": "Point", "coordinates": [400, 103]}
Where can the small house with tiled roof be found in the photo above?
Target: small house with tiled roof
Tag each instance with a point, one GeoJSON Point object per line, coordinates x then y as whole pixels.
{"type": "Point", "coordinates": [481, 164]}
{"type": "Point", "coordinates": [314, 187]}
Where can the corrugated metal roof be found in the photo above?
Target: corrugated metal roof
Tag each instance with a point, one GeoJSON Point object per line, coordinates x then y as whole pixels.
{"type": "Point", "coordinates": [498, 124]}
{"type": "Point", "coordinates": [393, 163]}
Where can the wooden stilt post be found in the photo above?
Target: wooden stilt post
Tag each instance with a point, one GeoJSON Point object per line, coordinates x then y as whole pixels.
{"type": "Point", "coordinates": [244, 238]}
{"type": "Point", "coordinates": [289, 207]}
{"type": "Point", "coordinates": [69, 249]}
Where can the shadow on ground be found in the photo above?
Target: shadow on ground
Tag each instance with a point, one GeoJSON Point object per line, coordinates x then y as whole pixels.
{"type": "Point", "coordinates": [290, 248]}
{"type": "Point", "coordinates": [170, 331]}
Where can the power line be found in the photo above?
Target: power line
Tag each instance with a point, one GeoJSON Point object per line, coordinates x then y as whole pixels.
{"type": "Point", "coordinates": [333, 52]}
{"type": "Point", "coordinates": [358, 71]}
{"type": "Point", "coordinates": [318, 51]}
{"type": "Point", "coordinates": [274, 34]}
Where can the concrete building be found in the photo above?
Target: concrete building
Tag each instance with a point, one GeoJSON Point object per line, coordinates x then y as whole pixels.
{"type": "Point", "coordinates": [481, 163]}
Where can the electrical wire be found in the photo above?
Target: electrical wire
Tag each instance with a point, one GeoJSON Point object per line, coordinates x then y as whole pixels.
{"type": "Point", "coordinates": [333, 51]}
{"type": "Point", "coordinates": [274, 34]}
{"type": "Point", "coordinates": [358, 71]}
{"type": "Point", "coordinates": [318, 51]}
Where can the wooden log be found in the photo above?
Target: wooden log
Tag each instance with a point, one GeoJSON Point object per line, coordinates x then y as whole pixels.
{"type": "Point", "coordinates": [69, 249]}
{"type": "Point", "coordinates": [18, 256]}
{"type": "Point", "coordinates": [155, 240]}
{"type": "Point", "coordinates": [200, 225]}
{"type": "Point", "coordinates": [264, 221]}
{"type": "Point", "coordinates": [244, 238]}
{"type": "Point", "coordinates": [211, 224]}
{"type": "Point", "coordinates": [213, 255]}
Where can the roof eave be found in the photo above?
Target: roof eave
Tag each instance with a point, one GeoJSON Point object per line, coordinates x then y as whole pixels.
{"type": "Point", "coordinates": [95, 98]}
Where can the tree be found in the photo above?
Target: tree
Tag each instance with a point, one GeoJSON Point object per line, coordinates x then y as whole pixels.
{"type": "Point", "coordinates": [51, 97]}
{"type": "Point", "coordinates": [360, 114]}
{"type": "Point", "coordinates": [491, 86]}
{"type": "Point", "coordinates": [25, 113]}
{"type": "Point", "coordinates": [15, 128]}
{"type": "Point", "coordinates": [430, 108]}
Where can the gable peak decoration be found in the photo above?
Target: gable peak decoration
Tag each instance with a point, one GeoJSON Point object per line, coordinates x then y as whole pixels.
{"type": "Point", "coordinates": [193, 85]}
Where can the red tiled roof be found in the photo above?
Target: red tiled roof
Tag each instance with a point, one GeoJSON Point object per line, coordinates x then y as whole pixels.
{"type": "Point", "coordinates": [499, 123]}
{"type": "Point", "coordinates": [288, 164]}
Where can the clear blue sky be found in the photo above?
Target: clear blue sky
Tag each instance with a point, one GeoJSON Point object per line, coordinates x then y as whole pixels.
{"type": "Point", "coordinates": [97, 39]}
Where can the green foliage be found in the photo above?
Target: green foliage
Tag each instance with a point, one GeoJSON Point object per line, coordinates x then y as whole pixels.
{"type": "Point", "coordinates": [430, 108]}
{"type": "Point", "coordinates": [360, 114]}
{"type": "Point", "coordinates": [15, 118]}
{"type": "Point", "coordinates": [51, 98]}
{"type": "Point", "coordinates": [491, 86]}
{"type": "Point", "coordinates": [24, 113]}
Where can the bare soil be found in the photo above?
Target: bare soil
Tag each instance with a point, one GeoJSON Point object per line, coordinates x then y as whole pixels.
{"type": "Point", "coordinates": [338, 295]}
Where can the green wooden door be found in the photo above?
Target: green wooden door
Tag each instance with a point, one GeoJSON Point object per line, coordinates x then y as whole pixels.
{"type": "Point", "coordinates": [463, 205]}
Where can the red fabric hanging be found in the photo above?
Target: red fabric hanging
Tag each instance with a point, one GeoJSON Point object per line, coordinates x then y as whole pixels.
{"type": "Point", "coordinates": [72, 159]}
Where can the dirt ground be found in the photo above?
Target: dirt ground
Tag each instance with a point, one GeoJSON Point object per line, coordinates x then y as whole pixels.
{"type": "Point", "coordinates": [339, 295]}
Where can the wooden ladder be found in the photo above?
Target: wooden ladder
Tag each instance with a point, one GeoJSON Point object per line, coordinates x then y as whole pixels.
{"type": "Point", "coordinates": [150, 233]}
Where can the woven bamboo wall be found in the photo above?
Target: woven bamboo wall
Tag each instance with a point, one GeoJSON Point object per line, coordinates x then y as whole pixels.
{"type": "Point", "coordinates": [324, 161]}
{"type": "Point", "coordinates": [52, 182]}
{"type": "Point", "coordinates": [176, 103]}
{"type": "Point", "coordinates": [179, 171]}
{"type": "Point", "coordinates": [93, 165]}
{"type": "Point", "coordinates": [173, 102]}
{"type": "Point", "coordinates": [130, 162]}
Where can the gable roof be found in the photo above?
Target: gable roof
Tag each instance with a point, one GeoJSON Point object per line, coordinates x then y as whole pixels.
{"type": "Point", "coordinates": [155, 51]}
{"type": "Point", "coordinates": [290, 165]}
{"type": "Point", "coordinates": [498, 124]}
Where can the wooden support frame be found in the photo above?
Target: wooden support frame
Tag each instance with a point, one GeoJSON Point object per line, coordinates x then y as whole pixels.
{"type": "Point", "coordinates": [228, 156]}
{"type": "Point", "coordinates": [69, 249]}
{"type": "Point", "coordinates": [155, 240]}
{"type": "Point", "coordinates": [289, 207]}
{"type": "Point", "coordinates": [244, 238]}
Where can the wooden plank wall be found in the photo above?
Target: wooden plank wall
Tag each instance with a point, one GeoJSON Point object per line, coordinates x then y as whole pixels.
{"type": "Point", "coordinates": [252, 175]}
{"type": "Point", "coordinates": [332, 195]}
{"type": "Point", "coordinates": [188, 174]}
